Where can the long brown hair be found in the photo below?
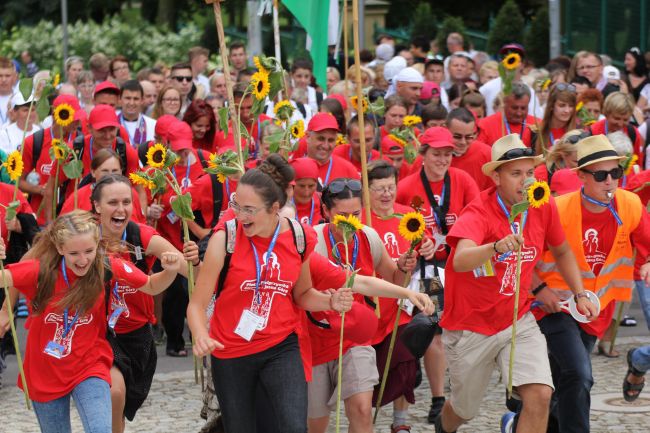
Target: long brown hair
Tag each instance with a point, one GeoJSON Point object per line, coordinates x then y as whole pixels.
{"type": "Point", "coordinates": [543, 135]}
{"type": "Point", "coordinates": [85, 291]}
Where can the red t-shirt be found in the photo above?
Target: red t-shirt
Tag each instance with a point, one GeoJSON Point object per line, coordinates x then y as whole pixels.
{"type": "Point", "coordinates": [6, 197]}
{"type": "Point", "coordinates": [202, 197]}
{"type": "Point", "coordinates": [44, 166]}
{"type": "Point", "coordinates": [309, 213]}
{"type": "Point", "coordinates": [335, 168]}
{"type": "Point", "coordinates": [491, 128]}
{"type": "Point", "coordinates": [84, 203]}
{"type": "Point", "coordinates": [86, 350]}
{"type": "Point", "coordinates": [254, 131]}
{"type": "Point", "coordinates": [395, 245]}
{"type": "Point", "coordinates": [280, 314]}
{"type": "Point", "coordinates": [463, 191]}
{"type": "Point", "coordinates": [602, 127]}
{"type": "Point", "coordinates": [471, 162]}
{"type": "Point", "coordinates": [138, 305]}
{"type": "Point", "coordinates": [485, 304]}
{"type": "Point", "coordinates": [345, 152]}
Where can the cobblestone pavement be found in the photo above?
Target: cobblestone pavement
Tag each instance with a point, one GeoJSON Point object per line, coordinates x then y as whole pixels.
{"type": "Point", "coordinates": [175, 401]}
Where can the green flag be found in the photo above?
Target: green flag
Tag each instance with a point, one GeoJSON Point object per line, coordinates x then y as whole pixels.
{"type": "Point", "coordinates": [313, 16]}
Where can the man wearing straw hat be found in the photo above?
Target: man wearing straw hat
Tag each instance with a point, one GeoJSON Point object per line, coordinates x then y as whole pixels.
{"type": "Point", "coordinates": [603, 225]}
{"type": "Point", "coordinates": [481, 282]}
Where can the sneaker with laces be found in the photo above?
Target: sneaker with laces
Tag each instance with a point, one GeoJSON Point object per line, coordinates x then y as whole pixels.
{"type": "Point", "coordinates": [507, 421]}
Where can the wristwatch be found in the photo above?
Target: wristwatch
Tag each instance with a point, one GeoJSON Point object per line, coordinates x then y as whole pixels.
{"type": "Point", "coordinates": [582, 294]}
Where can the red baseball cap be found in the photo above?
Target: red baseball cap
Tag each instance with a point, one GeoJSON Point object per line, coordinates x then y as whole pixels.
{"type": "Point", "coordinates": [72, 101]}
{"type": "Point", "coordinates": [305, 168]}
{"type": "Point", "coordinates": [163, 125]}
{"type": "Point", "coordinates": [437, 138]}
{"type": "Point", "coordinates": [565, 181]}
{"type": "Point", "coordinates": [341, 100]}
{"type": "Point", "coordinates": [180, 136]}
{"type": "Point", "coordinates": [323, 121]}
{"type": "Point", "coordinates": [106, 86]}
{"type": "Point", "coordinates": [103, 116]}
{"type": "Point", "coordinates": [360, 323]}
{"type": "Point", "coordinates": [391, 147]}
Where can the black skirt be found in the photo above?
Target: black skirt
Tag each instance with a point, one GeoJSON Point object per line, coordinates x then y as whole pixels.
{"type": "Point", "coordinates": [135, 356]}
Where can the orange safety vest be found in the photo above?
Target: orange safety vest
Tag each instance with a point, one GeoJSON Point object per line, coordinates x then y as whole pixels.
{"type": "Point", "coordinates": [616, 278]}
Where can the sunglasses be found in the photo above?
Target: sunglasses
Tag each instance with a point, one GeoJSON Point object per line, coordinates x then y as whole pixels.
{"type": "Point", "coordinates": [601, 175]}
{"type": "Point", "coordinates": [573, 139]}
{"type": "Point", "coordinates": [562, 87]}
{"type": "Point", "coordinates": [337, 186]}
{"type": "Point", "coordinates": [180, 78]}
{"type": "Point", "coordinates": [517, 153]}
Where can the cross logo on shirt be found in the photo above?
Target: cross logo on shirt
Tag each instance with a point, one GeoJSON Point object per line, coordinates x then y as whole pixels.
{"type": "Point", "coordinates": [528, 254]}
{"type": "Point", "coordinates": [66, 342]}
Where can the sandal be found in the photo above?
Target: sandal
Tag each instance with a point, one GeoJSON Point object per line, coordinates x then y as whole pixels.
{"type": "Point", "coordinates": [627, 385]}
{"type": "Point", "coordinates": [607, 353]}
{"type": "Point", "coordinates": [177, 353]}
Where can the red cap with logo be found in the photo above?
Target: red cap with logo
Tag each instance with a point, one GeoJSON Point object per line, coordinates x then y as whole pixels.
{"type": "Point", "coordinates": [163, 125]}
{"type": "Point", "coordinates": [323, 121]}
{"type": "Point", "coordinates": [437, 138]}
{"type": "Point", "coordinates": [180, 136]}
{"type": "Point", "coordinates": [106, 86]}
{"type": "Point", "coordinates": [72, 101]}
{"type": "Point", "coordinates": [305, 168]}
{"type": "Point", "coordinates": [103, 116]}
{"type": "Point", "coordinates": [390, 147]}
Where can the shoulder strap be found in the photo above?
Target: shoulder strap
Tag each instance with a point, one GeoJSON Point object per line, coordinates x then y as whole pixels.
{"type": "Point", "coordinates": [133, 237]}
{"type": "Point", "coordinates": [142, 152]}
{"type": "Point", "coordinates": [202, 159]}
{"type": "Point", "coordinates": [376, 245]}
{"type": "Point", "coordinates": [301, 108]}
{"type": "Point", "coordinates": [78, 146]}
{"type": "Point", "coordinates": [319, 98]}
{"type": "Point", "coordinates": [298, 236]}
{"type": "Point", "coordinates": [321, 245]}
{"type": "Point", "coordinates": [120, 149]}
{"type": "Point", "coordinates": [217, 199]}
{"type": "Point", "coordinates": [231, 235]}
{"type": "Point", "coordinates": [441, 212]}
{"type": "Point", "coordinates": [37, 147]}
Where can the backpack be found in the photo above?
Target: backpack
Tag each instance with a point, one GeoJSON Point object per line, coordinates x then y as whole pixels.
{"type": "Point", "coordinates": [217, 195]}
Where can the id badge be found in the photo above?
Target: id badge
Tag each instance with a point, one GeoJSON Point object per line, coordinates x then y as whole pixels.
{"type": "Point", "coordinates": [55, 350]}
{"type": "Point", "coordinates": [247, 325]}
{"type": "Point", "coordinates": [115, 315]}
{"type": "Point", "coordinates": [485, 270]}
{"type": "Point", "coordinates": [138, 253]}
{"type": "Point", "coordinates": [172, 217]}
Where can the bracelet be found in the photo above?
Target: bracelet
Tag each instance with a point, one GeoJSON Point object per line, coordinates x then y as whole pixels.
{"type": "Point", "coordinates": [582, 294]}
{"type": "Point", "coordinates": [494, 245]}
{"type": "Point", "coordinates": [539, 288]}
{"type": "Point", "coordinates": [197, 263]}
{"type": "Point", "coordinates": [399, 268]}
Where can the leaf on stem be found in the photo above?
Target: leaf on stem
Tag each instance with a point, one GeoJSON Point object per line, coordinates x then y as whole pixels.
{"type": "Point", "coordinates": [73, 169]}
{"type": "Point", "coordinates": [182, 206]}
{"type": "Point", "coordinates": [223, 120]}
{"type": "Point", "coordinates": [42, 108]}
{"type": "Point", "coordinates": [26, 86]}
{"type": "Point", "coordinates": [517, 209]}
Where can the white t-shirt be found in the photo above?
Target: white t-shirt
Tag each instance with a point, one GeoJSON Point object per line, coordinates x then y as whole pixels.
{"type": "Point", "coordinates": [4, 110]}
{"type": "Point", "coordinates": [131, 127]}
{"type": "Point", "coordinates": [11, 136]}
{"type": "Point", "coordinates": [491, 89]}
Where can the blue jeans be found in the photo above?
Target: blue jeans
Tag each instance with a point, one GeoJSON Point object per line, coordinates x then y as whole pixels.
{"type": "Point", "coordinates": [641, 358]}
{"type": "Point", "coordinates": [279, 371]}
{"type": "Point", "coordinates": [644, 298]}
{"type": "Point", "coordinates": [92, 397]}
{"type": "Point", "coordinates": [569, 348]}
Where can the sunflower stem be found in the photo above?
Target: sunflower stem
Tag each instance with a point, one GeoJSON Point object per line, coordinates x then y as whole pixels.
{"type": "Point", "coordinates": [515, 312]}
{"type": "Point", "coordinates": [76, 186]}
{"type": "Point", "coordinates": [340, 361]}
{"type": "Point", "coordinates": [22, 145]}
{"type": "Point", "coordinates": [190, 289]}
{"type": "Point", "coordinates": [55, 192]}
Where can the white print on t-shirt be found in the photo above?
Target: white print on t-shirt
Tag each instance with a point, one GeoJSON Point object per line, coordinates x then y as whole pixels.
{"type": "Point", "coordinates": [528, 254]}
{"type": "Point", "coordinates": [122, 291]}
{"type": "Point", "coordinates": [66, 342]}
{"type": "Point", "coordinates": [304, 220]}
{"type": "Point", "coordinates": [46, 169]}
{"type": "Point", "coordinates": [270, 285]}
{"type": "Point", "coordinates": [590, 245]}
{"type": "Point", "coordinates": [390, 242]}
{"type": "Point", "coordinates": [127, 268]}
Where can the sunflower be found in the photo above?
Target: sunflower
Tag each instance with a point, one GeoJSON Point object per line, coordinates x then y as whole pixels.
{"type": "Point", "coordinates": [411, 121]}
{"type": "Point", "coordinates": [355, 103]}
{"type": "Point", "coordinates": [258, 65]}
{"type": "Point", "coordinates": [397, 140]}
{"type": "Point", "coordinates": [156, 156]}
{"type": "Point", "coordinates": [56, 81]}
{"type": "Point", "coordinates": [538, 194]}
{"type": "Point", "coordinates": [298, 129]}
{"type": "Point", "coordinates": [546, 84]}
{"type": "Point", "coordinates": [260, 84]}
{"type": "Point", "coordinates": [213, 160]}
{"type": "Point", "coordinates": [63, 115]}
{"type": "Point", "coordinates": [629, 164]}
{"type": "Point", "coordinates": [340, 140]}
{"type": "Point", "coordinates": [411, 227]}
{"type": "Point", "coordinates": [348, 225]}
{"type": "Point", "coordinates": [579, 106]}
{"type": "Point", "coordinates": [138, 179]}
{"type": "Point", "coordinates": [14, 165]}
{"type": "Point", "coordinates": [283, 110]}
{"type": "Point", "coordinates": [58, 149]}
{"type": "Point", "coordinates": [221, 178]}
{"type": "Point", "coordinates": [511, 61]}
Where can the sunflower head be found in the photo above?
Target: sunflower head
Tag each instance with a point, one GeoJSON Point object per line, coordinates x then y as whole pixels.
{"type": "Point", "coordinates": [347, 225]}
{"type": "Point", "coordinates": [260, 85]}
{"type": "Point", "coordinates": [538, 194]}
{"type": "Point", "coordinates": [397, 140]}
{"type": "Point", "coordinates": [340, 140]}
{"type": "Point", "coordinates": [355, 103]}
{"type": "Point", "coordinates": [58, 149]}
{"type": "Point", "coordinates": [63, 115]}
{"type": "Point", "coordinates": [298, 129]}
{"type": "Point", "coordinates": [14, 165]}
{"type": "Point", "coordinates": [283, 110]}
{"type": "Point", "coordinates": [156, 156]}
{"type": "Point", "coordinates": [139, 179]}
{"type": "Point", "coordinates": [221, 178]}
{"type": "Point", "coordinates": [258, 64]}
{"type": "Point", "coordinates": [629, 163]}
{"type": "Point", "coordinates": [411, 227]}
{"type": "Point", "coordinates": [546, 84]}
{"type": "Point", "coordinates": [213, 160]}
{"type": "Point", "coordinates": [411, 121]}
{"type": "Point", "coordinates": [579, 106]}
{"type": "Point", "coordinates": [511, 61]}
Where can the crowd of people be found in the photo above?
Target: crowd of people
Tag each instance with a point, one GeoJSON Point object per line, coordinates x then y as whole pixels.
{"type": "Point", "coordinates": [104, 262]}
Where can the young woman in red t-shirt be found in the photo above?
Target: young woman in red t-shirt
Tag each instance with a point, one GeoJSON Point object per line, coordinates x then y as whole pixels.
{"type": "Point", "coordinates": [253, 332]}
{"type": "Point", "coordinates": [131, 312]}
{"type": "Point", "coordinates": [559, 117]}
{"type": "Point", "coordinates": [200, 117]}
{"type": "Point", "coordinates": [67, 353]}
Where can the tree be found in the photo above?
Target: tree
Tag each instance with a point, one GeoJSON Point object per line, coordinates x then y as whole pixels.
{"type": "Point", "coordinates": [423, 21]}
{"type": "Point", "coordinates": [537, 38]}
{"type": "Point", "coordinates": [450, 25]}
{"type": "Point", "coordinates": [508, 27]}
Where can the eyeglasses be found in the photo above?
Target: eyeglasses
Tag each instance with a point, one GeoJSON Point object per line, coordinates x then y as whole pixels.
{"type": "Point", "coordinates": [170, 100]}
{"type": "Point", "coordinates": [562, 87]}
{"type": "Point", "coordinates": [338, 185]}
{"type": "Point", "coordinates": [517, 153]}
{"type": "Point", "coordinates": [247, 211]}
{"type": "Point", "coordinates": [601, 175]}
{"type": "Point", "coordinates": [384, 189]}
{"type": "Point", "coordinates": [180, 78]}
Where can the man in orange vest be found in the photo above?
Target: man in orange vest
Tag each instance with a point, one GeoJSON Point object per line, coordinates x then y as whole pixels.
{"type": "Point", "coordinates": [602, 225]}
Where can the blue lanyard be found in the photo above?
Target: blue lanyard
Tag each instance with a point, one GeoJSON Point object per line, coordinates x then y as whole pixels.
{"type": "Point", "coordinates": [600, 203]}
{"type": "Point", "coordinates": [329, 171]}
{"type": "Point", "coordinates": [607, 128]}
{"type": "Point", "coordinates": [53, 138]}
{"type": "Point", "coordinates": [142, 128]}
{"type": "Point", "coordinates": [335, 250]}
{"type": "Point", "coordinates": [90, 147]}
{"type": "Point", "coordinates": [67, 326]}
{"type": "Point", "coordinates": [258, 269]}
{"type": "Point", "coordinates": [185, 182]}
{"type": "Point", "coordinates": [523, 127]}
{"type": "Point", "coordinates": [522, 223]}
{"type": "Point", "coordinates": [227, 183]}
{"type": "Point", "coordinates": [442, 200]}
{"type": "Point", "coordinates": [311, 212]}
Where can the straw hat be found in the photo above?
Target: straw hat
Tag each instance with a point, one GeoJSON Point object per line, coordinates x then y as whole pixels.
{"type": "Point", "coordinates": [507, 149]}
{"type": "Point", "coordinates": [595, 149]}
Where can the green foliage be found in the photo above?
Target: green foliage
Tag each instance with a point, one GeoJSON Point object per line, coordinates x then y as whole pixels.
{"type": "Point", "coordinates": [141, 42]}
{"type": "Point", "coordinates": [536, 39]}
{"type": "Point", "coordinates": [423, 21]}
{"type": "Point", "coordinates": [450, 25]}
{"type": "Point", "coordinates": [508, 27]}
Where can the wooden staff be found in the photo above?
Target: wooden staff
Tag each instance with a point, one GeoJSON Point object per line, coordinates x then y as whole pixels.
{"type": "Point", "coordinates": [276, 38]}
{"type": "Point", "coordinates": [345, 57]}
{"type": "Point", "coordinates": [619, 315]}
{"type": "Point", "coordinates": [216, 5]}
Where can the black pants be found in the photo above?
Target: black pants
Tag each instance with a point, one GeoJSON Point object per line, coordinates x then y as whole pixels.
{"type": "Point", "coordinates": [174, 306]}
{"type": "Point", "coordinates": [280, 372]}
